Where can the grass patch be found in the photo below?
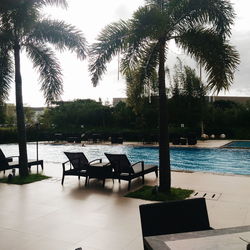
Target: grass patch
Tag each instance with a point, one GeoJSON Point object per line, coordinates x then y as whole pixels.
{"type": "Point", "coordinates": [20, 181]}
{"type": "Point", "coordinates": [152, 194]}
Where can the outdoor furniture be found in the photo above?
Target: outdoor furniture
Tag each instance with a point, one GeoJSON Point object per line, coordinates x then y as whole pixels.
{"type": "Point", "coordinates": [116, 139]}
{"type": "Point", "coordinates": [176, 140]}
{"type": "Point", "coordinates": [74, 139]}
{"type": "Point", "coordinates": [192, 140]}
{"type": "Point", "coordinates": [58, 137]}
{"type": "Point", "coordinates": [124, 170]}
{"type": "Point", "coordinates": [223, 239]}
{"type": "Point", "coordinates": [101, 171]}
{"type": "Point", "coordinates": [183, 141]}
{"type": "Point", "coordinates": [80, 166]}
{"type": "Point", "coordinates": [8, 163]}
{"type": "Point", "coordinates": [174, 217]}
{"type": "Point", "coordinates": [149, 139]}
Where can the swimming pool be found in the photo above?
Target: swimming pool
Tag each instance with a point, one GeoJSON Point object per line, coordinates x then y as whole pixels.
{"type": "Point", "coordinates": [238, 144]}
{"type": "Point", "coordinates": [222, 160]}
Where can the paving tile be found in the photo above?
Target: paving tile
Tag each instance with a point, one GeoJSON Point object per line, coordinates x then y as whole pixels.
{"type": "Point", "coordinates": [46, 215]}
{"type": "Point", "coordinates": [12, 240]}
{"type": "Point", "coordinates": [228, 214]}
{"type": "Point", "coordinates": [106, 239]}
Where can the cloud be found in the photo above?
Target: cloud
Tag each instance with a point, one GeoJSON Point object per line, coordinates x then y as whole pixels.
{"type": "Point", "coordinates": [241, 84]}
{"type": "Point", "coordinates": [91, 17]}
{"type": "Point", "coordinates": [122, 12]}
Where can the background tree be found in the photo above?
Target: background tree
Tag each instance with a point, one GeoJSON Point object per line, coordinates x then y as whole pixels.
{"type": "Point", "coordinates": [228, 117]}
{"type": "Point", "coordinates": [187, 104]}
{"type": "Point", "coordinates": [29, 116]}
{"type": "Point", "coordinates": [2, 112]}
{"type": "Point", "coordinates": [71, 115]}
{"type": "Point", "coordinates": [22, 27]}
{"type": "Point", "coordinates": [142, 98]}
{"type": "Point", "coordinates": [137, 90]}
{"type": "Point", "coordinates": [200, 27]}
{"type": "Point", "coordinates": [10, 115]}
{"type": "Point", "coordinates": [123, 116]}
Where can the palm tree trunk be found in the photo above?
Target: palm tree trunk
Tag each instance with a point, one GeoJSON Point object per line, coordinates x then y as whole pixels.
{"type": "Point", "coordinates": [164, 155]}
{"type": "Point", "coordinates": [21, 131]}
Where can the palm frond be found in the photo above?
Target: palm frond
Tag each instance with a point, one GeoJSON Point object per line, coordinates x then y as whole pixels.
{"type": "Point", "coordinates": [9, 5]}
{"type": "Point", "coordinates": [111, 40]}
{"type": "Point", "coordinates": [133, 55]}
{"type": "Point", "coordinates": [5, 39]}
{"type": "Point", "coordinates": [6, 73]}
{"type": "Point", "coordinates": [62, 3]}
{"type": "Point", "coordinates": [219, 14]}
{"type": "Point", "coordinates": [63, 36]}
{"type": "Point", "coordinates": [154, 2]}
{"type": "Point", "coordinates": [160, 4]}
{"type": "Point", "coordinates": [144, 29]}
{"type": "Point", "coordinates": [149, 22]}
{"type": "Point", "coordinates": [45, 62]}
{"type": "Point", "coordinates": [143, 59]}
{"type": "Point", "coordinates": [219, 58]}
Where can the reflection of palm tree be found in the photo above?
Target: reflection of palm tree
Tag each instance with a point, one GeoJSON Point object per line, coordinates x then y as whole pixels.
{"type": "Point", "coordinates": [22, 28]}
{"type": "Point", "coordinates": [198, 26]}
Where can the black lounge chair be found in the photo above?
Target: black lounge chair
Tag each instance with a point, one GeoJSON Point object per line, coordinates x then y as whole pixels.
{"type": "Point", "coordinates": [192, 140]}
{"type": "Point", "coordinates": [183, 141]}
{"type": "Point", "coordinates": [176, 140]}
{"type": "Point", "coordinates": [174, 217]}
{"type": "Point", "coordinates": [116, 139]}
{"type": "Point", "coordinates": [80, 166]}
{"type": "Point", "coordinates": [124, 170]}
{"type": "Point", "coordinates": [8, 163]}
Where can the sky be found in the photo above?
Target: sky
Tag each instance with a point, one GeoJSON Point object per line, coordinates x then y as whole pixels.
{"type": "Point", "coordinates": [91, 17]}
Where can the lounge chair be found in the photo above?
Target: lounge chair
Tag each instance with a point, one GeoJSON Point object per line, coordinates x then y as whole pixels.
{"type": "Point", "coordinates": [124, 170]}
{"type": "Point", "coordinates": [8, 163]}
{"type": "Point", "coordinates": [174, 217]}
{"type": "Point", "coordinates": [192, 140]}
{"type": "Point", "coordinates": [80, 166]}
{"type": "Point", "coordinates": [176, 140]}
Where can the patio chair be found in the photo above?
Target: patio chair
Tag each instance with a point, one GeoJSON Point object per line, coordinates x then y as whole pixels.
{"type": "Point", "coordinates": [191, 139]}
{"type": "Point", "coordinates": [124, 170]}
{"type": "Point", "coordinates": [8, 162]}
{"type": "Point", "coordinates": [80, 166]}
{"type": "Point", "coordinates": [176, 140]}
{"type": "Point", "coordinates": [174, 217]}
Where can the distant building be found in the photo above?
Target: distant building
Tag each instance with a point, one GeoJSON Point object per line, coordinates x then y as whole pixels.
{"type": "Point", "coordinates": [237, 99]}
{"type": "Point", "coordinates": [37, 112]}
{"type": "Point", "coordinates": [119, 99]}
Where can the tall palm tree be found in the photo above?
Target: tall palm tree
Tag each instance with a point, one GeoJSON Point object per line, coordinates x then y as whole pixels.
{"type": "Point", "coordinates": [200, 27]}
{"type": "Point", "coordinates": [22, 28]}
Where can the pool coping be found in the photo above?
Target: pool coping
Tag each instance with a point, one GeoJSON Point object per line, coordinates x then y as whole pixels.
{"type": "Point", "coordinates": [226, 145]}
{"type": "Point", "coordinates": [200, 144]}
{"type": "Point", "coordinates": [213, 173]}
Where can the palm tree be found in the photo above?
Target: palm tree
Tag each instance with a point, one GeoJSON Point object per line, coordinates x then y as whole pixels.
{"type": "Point", "coordinates": [22, 28]}
{"type": "Point", "coordinates": [199, 27]}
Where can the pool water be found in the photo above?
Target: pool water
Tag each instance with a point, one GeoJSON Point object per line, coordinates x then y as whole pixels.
{"type": "Point", "coordinates": [222, 160]}
{"type": "Point", "coordinates": [238, 144]}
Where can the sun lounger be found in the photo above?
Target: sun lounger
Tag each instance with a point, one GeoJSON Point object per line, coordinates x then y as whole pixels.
{"type": "Point", "coordinates": [124, 170]}
{"type": "Point", "coordinates": [80, 166]}
{"type": "Point", "coordinates": [9, 163]}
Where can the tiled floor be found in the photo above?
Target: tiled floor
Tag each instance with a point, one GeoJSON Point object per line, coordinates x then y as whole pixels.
{"type": "Point", "coordinates": [48, 216]}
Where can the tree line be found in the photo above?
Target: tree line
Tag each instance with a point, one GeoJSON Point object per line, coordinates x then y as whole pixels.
{"type": "Point", "coordinates": [92, 117]}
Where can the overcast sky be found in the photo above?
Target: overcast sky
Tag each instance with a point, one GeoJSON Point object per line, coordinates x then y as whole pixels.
{"type": "Point", "coordinates": [91, 17]}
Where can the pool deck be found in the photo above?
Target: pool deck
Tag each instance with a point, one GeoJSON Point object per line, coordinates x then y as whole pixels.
{"type": "Point", "coordinates": [47, 216]}
{"type": "Point", "coordinates": [200, 144]}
